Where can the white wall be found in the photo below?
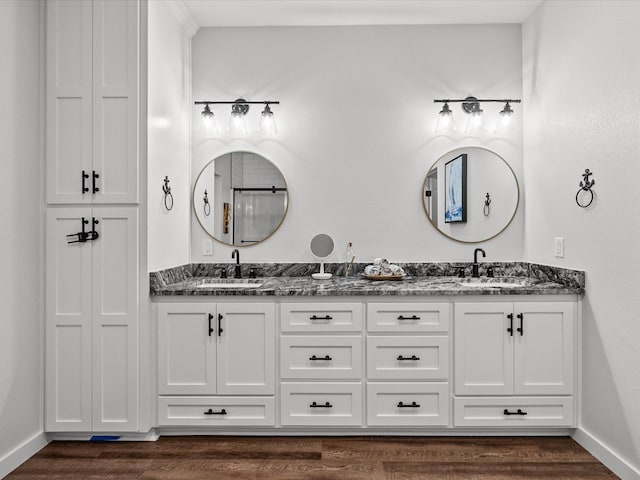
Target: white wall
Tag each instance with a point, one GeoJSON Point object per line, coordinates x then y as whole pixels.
{"type": "Point", "coordinates": [21, 233]}
{"type": "Point", "coordinates": [168, 136]}
{"type": "Point", "coordinates": [356, 128]}
{"type": "Point", "coordinates": [582, 110]}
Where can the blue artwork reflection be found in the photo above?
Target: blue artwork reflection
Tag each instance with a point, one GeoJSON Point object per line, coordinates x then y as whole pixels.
{"type": "Point", "coordinates": [455, 190]}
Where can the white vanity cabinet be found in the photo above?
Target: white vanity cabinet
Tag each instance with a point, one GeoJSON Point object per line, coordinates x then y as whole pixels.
{"type": "Point", "coordinates": [92, 76]}
{"type": "Point", "coordinates": [408, 364]}
{"type": "Point", "coordinates": [512, 352]}
{"type": "Point", "coordinates": [224, 352]}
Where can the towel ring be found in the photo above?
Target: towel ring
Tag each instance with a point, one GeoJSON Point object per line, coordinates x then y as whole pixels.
{"type": "Point", "coordinates": [487, 203]}
{"type": "Point", "coordinates": [585, 186]}
{"type": "Point", "coordinates": [207, 205]}
{"type": "Point", "coordinates": [168, 197]}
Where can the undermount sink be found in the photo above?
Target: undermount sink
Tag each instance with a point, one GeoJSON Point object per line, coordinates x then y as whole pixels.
{"type": "Point", "coordinates": [494, 282]}
{"type": "Point", "coordinates": [234, 283]}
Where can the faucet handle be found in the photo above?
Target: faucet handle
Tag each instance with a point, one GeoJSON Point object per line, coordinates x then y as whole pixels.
{"type": "Point", "coordinates": [252, 272]}
{"type": "Point", "coordinates": [223, 273]}
{"type": "Point", "coordinates": [461, 272]}
{"type": "Point", "coordinates": [490, 272]}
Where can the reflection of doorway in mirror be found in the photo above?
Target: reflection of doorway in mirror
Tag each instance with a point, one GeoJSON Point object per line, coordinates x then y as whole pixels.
{"type": "Point", "coordinates": [431, 194]}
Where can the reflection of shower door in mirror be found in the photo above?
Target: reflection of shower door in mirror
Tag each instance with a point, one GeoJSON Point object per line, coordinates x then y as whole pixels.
{"type": "Point", "coordinates": [257, 213]}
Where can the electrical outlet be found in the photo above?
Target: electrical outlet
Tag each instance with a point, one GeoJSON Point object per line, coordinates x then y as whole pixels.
{"type": "Point", "coordinates": [207, 246]}
{"type": "Point", "coordinates": [558, 247]}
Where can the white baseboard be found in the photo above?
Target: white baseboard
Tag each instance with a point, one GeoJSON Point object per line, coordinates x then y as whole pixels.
{"type": "Point", "coordinates": [150, 436]}
{"type": "Point", "coordinates": [613, 461]}
{"type": "Point", "coordinates": [22, 453]}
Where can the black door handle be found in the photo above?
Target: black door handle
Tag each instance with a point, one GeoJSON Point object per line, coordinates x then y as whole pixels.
{"type": "Point", "coordinates": [412, 317]}
{"type": "Point", "coordinates": [314, 358]}
{"type": "Point", "coordinates": [521, 329]}
{"type": "Point", "coordinates": [319, 405]}
{"type": "Point", "coordinates": [211, 412]}
{"type": "Point", "coordinates": [510, 329]}
{"type": "Point", "coordinates": [85, 175]}
{"type": "Point", "coordinates": [315, 317]}
{"type": "Point", "coordinates": [517, 412]}
{"type": "Point", "coordinates": [220, 325]}
{"type": "Point", "coordinates": [408, 405]}
{"type": "Point", "coordinates": [210, 329]}
{"type": "Point", "coordinates": [412, 357]}
{"type": "Point", "coordinates": [93, 181]}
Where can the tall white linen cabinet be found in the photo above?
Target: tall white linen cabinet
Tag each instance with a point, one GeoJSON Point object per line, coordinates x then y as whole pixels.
{"type": "Point", "coordinates": [92, 161]}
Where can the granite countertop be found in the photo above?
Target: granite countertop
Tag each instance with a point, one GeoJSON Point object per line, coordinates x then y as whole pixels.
{"type": "Point", "coordinates": [341, 286]}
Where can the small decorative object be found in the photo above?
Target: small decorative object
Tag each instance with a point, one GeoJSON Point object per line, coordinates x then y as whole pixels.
{"type": "Point", "coordinates": [584, 196]}
{"type": "Point", "coordinates": [226, 212]}
{"type": "Point", "coordinates": [487, 207]}
{"type": "Point", "coordinates": [207, 205]}
{"type": "Point", "coordinates": [168, 197]}
{"type": "Point", "coordinates": [321, 247]}
{"type": "Point", "coordinates": [383, 270]}
{"type": "Point", "coordinates": [455, 183]}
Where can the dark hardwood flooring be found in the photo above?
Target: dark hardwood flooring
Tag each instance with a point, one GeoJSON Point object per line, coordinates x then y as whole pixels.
{"type": "Point", "coordinates": [316, 458]}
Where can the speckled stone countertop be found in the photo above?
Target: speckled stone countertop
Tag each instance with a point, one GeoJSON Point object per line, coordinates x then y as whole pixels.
{"type": "Point", "coordinates": [423, 280]}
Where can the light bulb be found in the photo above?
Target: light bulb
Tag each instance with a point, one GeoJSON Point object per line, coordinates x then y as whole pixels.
{"type": "Point", "coordinates": [237, 123]}
{"type": "Point", "coordinates": [505, 122]}
{"type": "Point", "coordinates": [475, 124]}
{"type": "Point", "coordinates": [445, 121]}
{"type": "Point", "coordinates": [209, 120]}
{"type": "Point", "coordinates": [267, 122]}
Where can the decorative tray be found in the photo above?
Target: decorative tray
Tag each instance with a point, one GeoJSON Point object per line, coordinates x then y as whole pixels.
{"type": "Point", "coordinates": [384, 277]}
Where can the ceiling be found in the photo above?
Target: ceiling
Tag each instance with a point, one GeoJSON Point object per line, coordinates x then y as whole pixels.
{"type": "Point", "coordinates": [253, 13]}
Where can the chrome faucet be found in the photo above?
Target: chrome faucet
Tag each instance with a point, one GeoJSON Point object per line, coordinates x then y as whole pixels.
{"type": "Point", "coordinates": [474, 268]}
{"type": "Point", "coordinates": [238, 271]}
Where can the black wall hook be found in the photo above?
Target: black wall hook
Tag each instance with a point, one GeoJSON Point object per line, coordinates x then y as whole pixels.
{"type": "Point", "coordinates": [585, 186]}
{"type": "Point", "coordinates": [168, 197]}
{"type": "Point", "coordinates": [207, 205]}
{"type": "Point", "coordinates": [487, 207]}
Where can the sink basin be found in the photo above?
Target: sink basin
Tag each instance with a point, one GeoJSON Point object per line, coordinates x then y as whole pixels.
{"type": "Point", "coordinates": [231, 283]}
{"type": "Point", "coordinates": [494, 282]}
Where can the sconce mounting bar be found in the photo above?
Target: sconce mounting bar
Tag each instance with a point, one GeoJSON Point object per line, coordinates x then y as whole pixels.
{"type": "Point", "coordinates": [211, 102]}
{"type": "Point", "coordinates": [471, 99]}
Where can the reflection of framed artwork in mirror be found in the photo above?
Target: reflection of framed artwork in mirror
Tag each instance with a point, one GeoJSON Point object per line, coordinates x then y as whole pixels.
{"type": "Point", "coordinates": [225, 218]}
{"type": "Point", "coordinates": [455, 178]}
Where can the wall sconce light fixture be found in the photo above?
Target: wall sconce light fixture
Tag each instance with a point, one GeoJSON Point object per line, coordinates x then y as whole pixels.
{"type": "Point", "coordinates": [476, 121]}
{"type": "Point", "coordinates": [239, 110]}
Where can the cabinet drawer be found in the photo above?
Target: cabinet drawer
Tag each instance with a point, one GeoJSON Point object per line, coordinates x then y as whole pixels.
{"type": "Point", "coordinates": [322, 404]}
{"type": "Point", "coordinates": [410, 404]}
{"type": "Point", "coordinates": [207, 411]}
{"type": "Point", "coordinates": [408, 358]}
{"type": "Point", "coordinates": [321, 357]}
{"type": "Point", "coordinates": [325, 317]}
{"type": "Point", "coordinates": [408, 317]}
{"type": "Point", "coordinates": [490, 412]}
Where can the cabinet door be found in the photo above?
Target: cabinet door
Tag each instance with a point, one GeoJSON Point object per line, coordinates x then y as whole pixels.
{"type": "Point", "coordinates": [545, 348]}
{"type": "Point", "coordinates": [483, 349]}
{"type": "Point", "coordinates": [68, 323]}
{"type": "Point", "coordinates": [186, 349]}
{"type": "Point", "coordinates": [115, 100]}
{"type": "Point", "coordinates": [115, 319]}
{"type": "Point", "coordinates": [246, 349]}
{"type": "Point", "coordinates": [68, 100]}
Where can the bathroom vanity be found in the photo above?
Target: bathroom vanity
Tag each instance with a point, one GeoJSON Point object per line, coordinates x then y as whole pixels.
{"type": "Point", "coordinates": [425, 355]}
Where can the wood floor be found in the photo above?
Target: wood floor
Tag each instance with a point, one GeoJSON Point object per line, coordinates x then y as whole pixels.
{"type": "Point", "coordinates": [317, 458]}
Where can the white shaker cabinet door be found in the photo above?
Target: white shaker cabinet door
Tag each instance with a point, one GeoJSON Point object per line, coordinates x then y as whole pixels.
{"type": "Point", "coordinates": [115, 319]}
{"type": "Point", "coordinates": [187, 334]}
{"type": "Point", "coordinates": [68, 322]}
{"type": "Point", "coordinates": [246, 349]}
{"type": "Point", "coordinates": [483, 349]}
{"type": "Point", "coordinates": [544, 348]}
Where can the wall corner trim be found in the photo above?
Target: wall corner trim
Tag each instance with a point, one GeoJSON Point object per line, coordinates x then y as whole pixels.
{"type": "Point", "coordinates": [606, 455]}
{"type": "Point", "coordinates": [183, 15]}
{"type": "Point", "coordinates": [22, 453]}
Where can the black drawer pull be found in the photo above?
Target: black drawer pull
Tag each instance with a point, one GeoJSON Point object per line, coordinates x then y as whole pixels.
{"type": "Point", "coordinates": [517, 412]}
{"type": "Point", "coordinates": [412, 357]}
{"type": "Point", "coordinates": [409, 405]}
{"type": "Point", "coordinates": [510, 329]}
{"type": "Point", "coordinates": [521, 329]}
{"type": "Point", "coordinates": [211, 330]}
{"type": "Point", "coordinates": [220, 325]}
{"type": "Point", "coordinates": [317, 405]}
{"type": "Point", "coordinates": [211, 412]}
{"type": "Point", "coordinates": [314, 358]}
{"type": "Point", "coordinates": [412, 317]}
{"type": "Point", "coordinates": [315, 317]}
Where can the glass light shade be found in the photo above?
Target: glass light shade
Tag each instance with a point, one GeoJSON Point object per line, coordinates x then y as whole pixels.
{"type": "Point", "coordinates": [475, 123]}
{"type": "Point", "coordinates": [237, 123]}
{"type": "Point", "coordinates": [445, 121]}
{"type": "Point", "coordinates": [209, 120]}
{"type": "Point", "coordinates": [505, 121]}
{"type": "Point", "coordinates": [267, 122]}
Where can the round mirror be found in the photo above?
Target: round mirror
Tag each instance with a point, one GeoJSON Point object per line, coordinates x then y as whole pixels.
{"type": "Point", "coordinates": [470, 194]}
{"type": "Point", "coordinates": [240, 198]}
{"type": "Point", "coordinates": [322, 246]}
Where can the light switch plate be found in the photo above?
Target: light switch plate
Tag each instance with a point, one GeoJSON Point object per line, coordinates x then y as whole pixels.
{"type": "Point", "coordinates": [558, 247]}
{"type": "Point", "coordinates": [207, 247]}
